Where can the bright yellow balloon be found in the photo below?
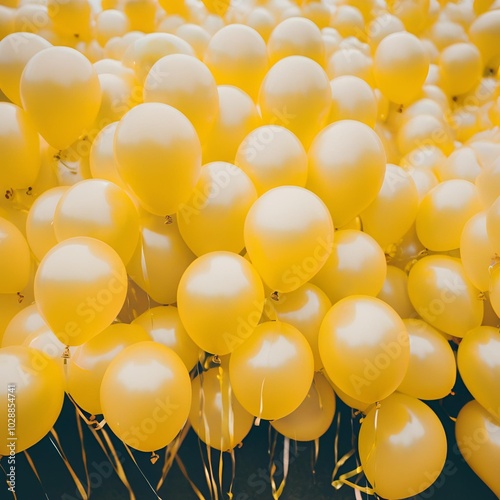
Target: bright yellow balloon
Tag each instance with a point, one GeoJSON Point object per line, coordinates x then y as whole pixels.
{"type": "Point", "coordinates": [394, 292]}
{"type": "Point", "coordinates": [218, 7]}
{"type": "Point", "coordinates": [400, 67]}
{"type": "Point", "coordinates": [60, 91]}
{"type": "Point", "coordinates": [386, 437]}
{"type": "Point", "coordinates": [272, 156]}
{"type": "Point", "coordinates": [271, 373]}
{"type": "Point", "coordinates": [313, 417]}
{"type": "Point", "coordinates": [215, 280]}
{"type": "Point", "coordinates": [71, 18]}
{"type": "Point", "coordinates": [80, 287]}
{"type": "Point", "coordinates": [432, 369]}
{"type": "Point", "coordinates": [365, 347]}
{"type": "Point", "coordinates": [38, 390]}
{"type": "Point", "coordinates": [163, 324]}
{"type": "Point", "coordinates": [477, 438]}
{"type": "Point", "coordinates": [216, 415]}
{"type": "Point", "coordinates": [15, 258]}
{"type": "Point", "coordinates": [484, 33]}
{"type": "Point", "coordinates": [288, 237]}
{"type": "Point", "coordinates": [414, 13]}
{"type": "Point", "coordinates": [345, 398]}
{"type": "Point", "coordinates": [23, 325]}
{"type": "Point", "coordinates": [296, 94]}
{"type": "Point", "coordinates": [443, 296]}
{"type": "Point", "coordinates": [158, 155]}
{"type": "Point", "coordinates": [160, 259]}
{"type": "Point", "coordinates": [146, 395]}
{"type": "Point", "coordinates": [141, 14]}
{"type": "Point", "coordinates": [346, 168]}
{"type": "Point", "coordinates": [356, 266]}
{"type": "Point", "coordinates": [89, 362]}
{"type": "Point", "coordinates": [492, 222]}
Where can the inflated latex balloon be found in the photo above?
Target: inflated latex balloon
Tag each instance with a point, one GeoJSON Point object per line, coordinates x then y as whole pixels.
{"type": "Point", "coordinates": [71, 18]}
{"type": "Point", "coordinates": [313, 417]}
{"type": "Point", "coordinates": [89, 362]}
{"type": "Point", "coordinates": [424, 179]}
{"type": "Point", "coordinates": [296, 36]}
{"type": "Point", "coordinates": [288, 236]}
{"type": "Point", "coordinates": [492, 225]}
{"type": "Point", "coordinates": [218, 7]}
{"type": "Point", "coordinates": [158, 154]}
{"type": "Point", "coordinates": [98, 209]}
{"type": "Point", "coordinates": [160, 259]}
{"type": "Point", "coordinates": [443, 295]}
{"type": "Point", "coordinates": [15, 258]}
{"type": "Point", "coordinates": [164, 326]}
{"type": "Point", "coordinates": [110, 23]}
{"type": "Point", "coordinates": [476, 251]}
{"type": "Point", "coordinates": [479, 365]}
{"type": "Point", "coordinates": [60, 91]}
{"type": "Point", "coordinates": [477, 439]}
{"type": "Point", "coordinates": [146, 395]}
{"type": "Point", "coordinates": [220, 280]}
{"type": "Point", "coordinates": [443, 213]}
{"type": "Point", "coordinates": [196, 36]}
{"type": "Point", "coordinates": [185, 83]}
{"type": "Point", "coordinates": [356, 266]}
{"type": "Point", "coordinates": [461, 164]}
{"type": "Point", "coordinates": [271, 373]}
{"type": "Point", "coordinates": [214, 215]}
{"type": "Point", "coordinates": [80, 287]}
{"type": "Point", "coordinates": [364, 347]}
{"type": "Point", "coordinates": [432, 369]}
{"type": "Point", "coordinates": [348, 400]}
{"type": "Point", "coordinates": [141, 14]}
{"type": "Point", "coordinates": [272, 156]}
{"type": "Point", "coordinates": [38, 390]}
{"type": "Point", "coordinates": [402, 423]}
{"type": "Point", "coordinates": [484, 33]}
{"type": "Point", "coordinates": [400, 67]}
{"type": "Point", "coordinates": [237, 55]}
{"type": "Point", "coordinates": [395, 292]}
{"type": "Point", "coordinates": [19, 147]}
{"type": "Point", "coordinates": [351, 61]}
{"type": "Point", "coordinates": [296, 94]}
{"type": "Point", "coordinates": [346, 168]}
{"type": "Point", "coordinates": [24, 324]}
{"type": "Point", "coordinates": [381, 26]}
{"type": "Point", "coordinates": [216, 415]}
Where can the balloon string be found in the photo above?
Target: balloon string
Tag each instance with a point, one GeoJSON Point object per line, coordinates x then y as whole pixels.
{"type": "Point", "coordinates": [220, 377]}
{"type": "Point", "coordinates": [33, 468]}
{"type": "Point", "coordinates": [276, 492]}
{"type": "Point", "coordinates": [182, 467]}
{"type": "Point", "coordinates": [233, 473]}
{"type": "Point", "coordinates": [261, 403]}
{"type": "Point", "coordinates": [129, 451]}
{"type": "Point", "coordinates": [8, 482]}
{"type": "Point", "coordinates": [84, 454]}
{"type": "Point", "coordinates": [315, 458]}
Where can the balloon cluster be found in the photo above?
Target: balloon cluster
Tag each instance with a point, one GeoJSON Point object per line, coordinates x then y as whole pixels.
{"type": "Point", "coordinates": [219, 211]}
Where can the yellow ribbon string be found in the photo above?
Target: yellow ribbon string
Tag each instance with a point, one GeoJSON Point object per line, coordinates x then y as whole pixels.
{"type": "Point", "coordinates": [84, 454]}
{"type": "Point", "coordinates": [314, 456]}
{"type": "Point", "coordinates": [33, 468]}
{"type": "Point", "coordinates": [220, 377]}
{"type": "Point", "coordinates": [129, 451]}
{"type": "Point", "coordinates": [8, 482]}
{"type": "Point", "coordinates": [182, 467]}
{"type": "Point", "coordinates": [231, 440]}
{"type": "Point", "coordinates": [276, 492]}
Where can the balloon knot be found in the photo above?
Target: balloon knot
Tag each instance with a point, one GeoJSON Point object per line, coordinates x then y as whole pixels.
{"type": "Point", "coordinates": [29, 191]}
{"type": "Point", "coordinates": [66, 354]}
{"type": "Point", "coordinates": [275, 296]}
{"type": "Point", "coordinates": [216, 359]}
{"type": "Point", "coordinates": [20, 297]}
{"type": "Point", "coordinates": [9, 194]}
{"type": "Point", "coordinates": [154, 457]}
{"type": "Point", "coordinates": [169, 219]}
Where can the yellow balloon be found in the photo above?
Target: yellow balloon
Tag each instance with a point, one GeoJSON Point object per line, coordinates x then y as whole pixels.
{"type": "Point", "coordinates": [386, 437]}
{"type": "Point", "coordinates": [346, 168]}
{"type": "Point", "coordinates": [346, 399]}
{"type": "Point", "coordinates": [163, 324]}
{"type": "Point", "coordinates": [443, 213]}
{"type": "Point", "coordinates": [15, 258]}
{"type": "Point", "coordinates": [89, 362]}
{"type": "Point", "coordinates": [71, 18]}
{"type": "Point", "coordinates": [23, 325]}
{"type": "Point", "coordinates": [461, 164]}
{"type": "Point", "coordinates": [432, 369]}
{"type": "Point", "coordinates": [351, 61]}
{"type": "Point", "coordinates": [288, 237]}
{"type": "Point", "coordinates": [356, 266]}
{"type": "Point", "coordinates": [160, 259]}
{"type": "Point", "coordinates": [215, 280]}
{"type": "Point", "coordinates": [477, 439]}
{"type": "Point", "coordinates": [216, 415]}
{"type": "Point", "coordinates": [261, 20]}
{"type": "Point", "coordinates": [110, 23]}
{"type": "Point", "coordinates": [158, 155]}
{"type": "Point", "coordinates": [98, 209]}
{"type": "Point", "coordinates": [6, 21]}
{"type": "Point", "coordinates": [443, 296]}
{"type": "Point", "coordinates": [492, 229]}
{"type": "Point", "coordinates": [19, 147]}
{"type": "Point", "coordinates": [271, 373]}
{"type": "Point", "coordinates": [414, 13]}
{"type": "Point", "coordinates": [80, 287]}
{"type": "Point", "coordinates": [272, 156]}
{"type": "Point", "coordinates": [365, 348]}
{"type": "Point", "coordinates": [34, 386]}
{"type": "Point", "coordinates": [237, 55]}
{"type": "Point", "coordinates": [479, 365]}
{"type": "Point", "coordinates": [141, 14]}
{"type": "Point", "coordinates": [60, 91]}
{"type": "Point", "coordinates": [381, 26]}
{"type": "Point", "coordinates": [349, 22]}
{"type": "Point", "coordinates": [400, 67]}
{"type": "Point", "coordinates": [484, 33]}
{"type": "Point", "coordinates": [185, 83]}
{"type": "Point", "coordinates": [214, 215]}
{"type": "Point", "coordinates": [394, 292]}
{"type": "Point", "coordinates": [146, 395]}
{"type": "Point", "coordinates": [218, 7]}
{"type": "Point", "coordinates": [296, 94]}
{"type": "Point", "coordinates": [196, 36]}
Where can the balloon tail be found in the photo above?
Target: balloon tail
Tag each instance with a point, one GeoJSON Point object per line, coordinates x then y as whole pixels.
{"type": "Point", "coordinates": [185, 473]}
{"type": "Point", "coordinates": [84, 454]}
{"type": "Point", "coordinates": [261, 403]}
{"type": "Point", "coordinates": [276, 492]}
{"type": "Point", "coordinates": [140, 470]}
{"type": "Point", "coordinates": [33, 468]}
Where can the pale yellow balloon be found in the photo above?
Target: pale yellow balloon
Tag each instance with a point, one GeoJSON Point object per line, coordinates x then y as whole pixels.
{"type": "Point", "coordinates": [24, 324]}
{"type": "Point", "coordinates": [382, 25]}
{"type": "Point", "coordinates": [492, 221]}
{"type": "Point", "coordinates": [60, 91]}
{"type": "Point", "coordinates": [313, 417]}
{"type": "Point", "coordinates": [164, 326]}
{"type": "Point", "coordinates": [114, 67]}
{"type": "Point", "coordinates": [288, 236]}
{"type": "Point", "coordinates": [110, 23]}
{"type": "Point", "coordinates": [443, 295]}
{"type": "Point", "coordinates": [394, 292]}
{"type": "Point", "coordinates": [215, 280]}
{"type": "Point", "coordinates": [413, 13]}
{"type": "Point", "coordinates": [160, 258]}
{"type": "Point", "coordinates": [271, 372]}
{"type": "Point", "coordinates": [432, 369]}
{"type": "Point", "coordinates": [424, 180]}
{"type": "Point", "coordinates": [261, 20]}
{"type": "Point", "coordinates": [356, 266]}
{"type": "Point", "coordinates": [484, 33]}
{"type": "Point", "coordinates": [6, 21]}
{"type": "Point", "coordinates": [296, 94]}
{"type": "Point", "coordinates": [351, 61]}
{"type": "Point", "coordinates": [443, 213]}
{"type": "Point", "coordinates": [461, 164]}
{"type": "Point", "coordinates": [196, 36]}
{"type": "Point", "coordinates": [349, 22]}
{"type": "Point", "coordinates": [494, 289]}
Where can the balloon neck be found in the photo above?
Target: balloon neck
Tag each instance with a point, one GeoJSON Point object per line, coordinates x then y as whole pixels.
{"type": "Point", "coordinates": [154, 457]}
{"type": "Point", "coordinates": [66, 354]}
{"type": "Point", "coordinates": [275, 296]}
{"type": "Point", "coordinates": [20, 297]}
{"type": "Point", "coordinates": [169, 219]}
